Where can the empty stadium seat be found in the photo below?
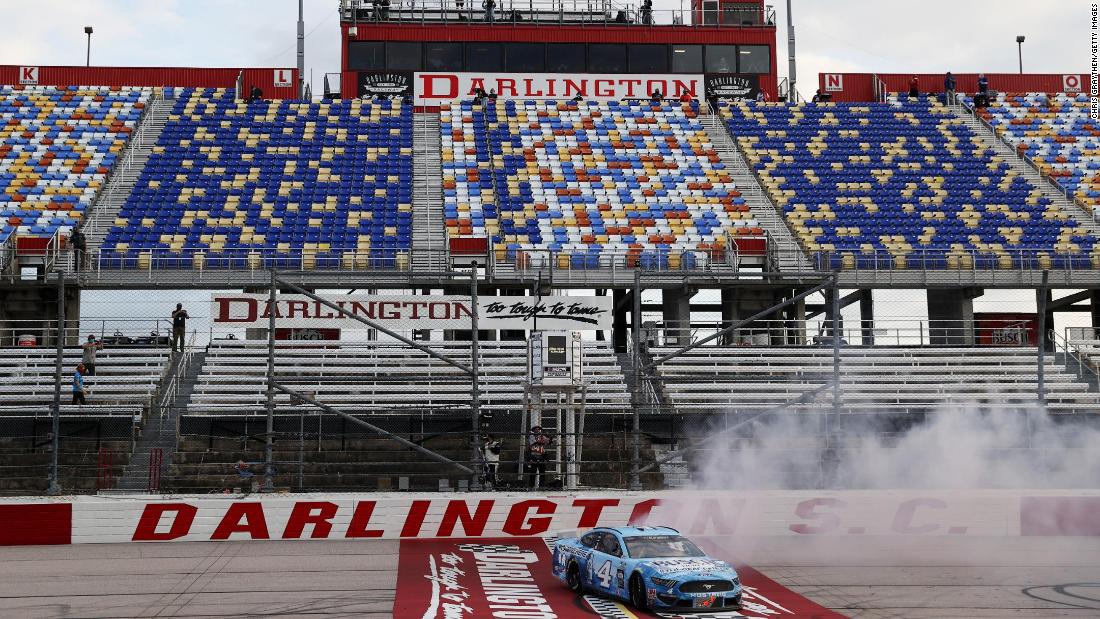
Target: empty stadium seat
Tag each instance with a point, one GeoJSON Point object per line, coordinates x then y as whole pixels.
{"type": "Point", "coordinates": [1057, 133]}
{"type": "Point", "coordinates": [284, 184]}
{"type": "Point", "coordinates": [57, 146]}
{"type": "Point", "coordinates": [590, 183]}
{"type": "Point", "coordinates": [902, 184]}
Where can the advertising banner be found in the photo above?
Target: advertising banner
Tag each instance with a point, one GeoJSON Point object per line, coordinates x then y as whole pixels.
{"type": "Point", "coordinates": [415, 312]}
{"type": "Point", "coordinates": [435, 88]}
{"type": "Point", "coordinates": [733, 86]}
{"type": "Point", "coordinates": [385, 84]}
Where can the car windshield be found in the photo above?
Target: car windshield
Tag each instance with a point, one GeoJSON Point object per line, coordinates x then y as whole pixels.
{"type": "Point", "coordinates": [661, 547]}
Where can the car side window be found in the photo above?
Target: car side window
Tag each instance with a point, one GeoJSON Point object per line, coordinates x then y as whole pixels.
{"type": "Point", "coordinates": [590, 540]}
{"type": "Point", "coordinates": [610, 545]}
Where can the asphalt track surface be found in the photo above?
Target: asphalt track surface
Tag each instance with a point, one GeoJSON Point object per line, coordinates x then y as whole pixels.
{"type": "Point", "coordinates": [857, 577]}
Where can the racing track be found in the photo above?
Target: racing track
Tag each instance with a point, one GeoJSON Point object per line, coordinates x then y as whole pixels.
{"type": "Point", "coordinates": [858, 577]}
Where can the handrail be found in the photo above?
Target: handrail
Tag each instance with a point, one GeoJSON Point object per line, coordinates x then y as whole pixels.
{"type": "Point", "coordinates": [1073, 350]}
{"type": "Point", "coordinates": [110, 188]}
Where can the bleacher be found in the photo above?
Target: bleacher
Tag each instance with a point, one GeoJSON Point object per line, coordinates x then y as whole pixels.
{"type": "Point", "coordinates": [284, 184]}
{"type": "Point", "coordinates": [589, 184]}
{"type": "Point", "coordinates": [378, 378]}
{"type": "Point", "coordinates": [57, 146]}
{"type": "Point", "coordinates": [1057, 133]}
{"type": "Point", "coordinates": [878, 380]}
{"type": "Point", "coordinates": [125, 381]}
{"type": "Point", "coordinates": [902, 185]}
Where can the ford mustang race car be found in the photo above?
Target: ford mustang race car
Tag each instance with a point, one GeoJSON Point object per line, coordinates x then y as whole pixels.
{"type": "Point", "coordinates": [651, 567]}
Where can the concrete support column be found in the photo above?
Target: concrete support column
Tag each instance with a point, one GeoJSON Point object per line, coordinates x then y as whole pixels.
{"type": "Point", "coordinates": [867, 317]}
{"type": "Point", "coordinates": [1049, 324]}
{"type": "Point", "coordinates": [951, 316]}
{"type": "Point", "coordinates": [619, 332]}
{"type": "Point", "coordinates": [1094, 312]}
{"type": "Point", "coordinates": [676, 310]}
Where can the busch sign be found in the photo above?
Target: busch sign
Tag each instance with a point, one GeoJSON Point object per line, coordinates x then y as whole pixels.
{"type": "Point", "coordinates": [440, 88]}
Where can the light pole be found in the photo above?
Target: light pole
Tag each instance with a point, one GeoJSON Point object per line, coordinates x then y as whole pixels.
{"type": "Point", "coordinates": [88, 31]}
{"type": "Point", "coordinates": [1020, 51]}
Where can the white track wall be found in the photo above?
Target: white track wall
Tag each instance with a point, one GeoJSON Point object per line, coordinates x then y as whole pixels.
{"type": "Point", "coordinates": [402, 516]}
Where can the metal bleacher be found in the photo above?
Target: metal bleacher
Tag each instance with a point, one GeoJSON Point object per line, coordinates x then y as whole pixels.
{"type": "Point", "coordinates": [381, 378]}
{"type": "Point", "coordinates": [125, 382]}
{"type": "Point", "coordinates": [873, 380]}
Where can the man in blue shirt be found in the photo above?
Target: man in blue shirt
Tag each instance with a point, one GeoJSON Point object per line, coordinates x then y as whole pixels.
{"type": "Point", "coordinates": [78, 385]}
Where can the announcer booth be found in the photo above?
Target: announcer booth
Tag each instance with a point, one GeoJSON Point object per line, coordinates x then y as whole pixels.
{"type": "Point", "coordinates": [439, 52]}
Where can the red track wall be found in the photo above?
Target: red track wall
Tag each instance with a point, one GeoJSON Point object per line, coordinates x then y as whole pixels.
{"type": "Point", "coordinates": [860, 86]}
{"type": "Point", "coordinates": [157, 76]}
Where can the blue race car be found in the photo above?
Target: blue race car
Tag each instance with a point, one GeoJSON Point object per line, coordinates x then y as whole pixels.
{"type": "Point", "coordinates": [651, 567]}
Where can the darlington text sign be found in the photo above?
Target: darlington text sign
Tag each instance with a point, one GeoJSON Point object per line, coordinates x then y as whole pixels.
{"type": "Point", "coordinates": [416, 312]}
{"type": "Point", "coordinates": [439, 88]}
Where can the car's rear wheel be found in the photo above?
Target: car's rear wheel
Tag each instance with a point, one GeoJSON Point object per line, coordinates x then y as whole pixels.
{"type": "Point", "coordinates": [573, 577]}
{"type": "Point", "coordinates": [637, 593]}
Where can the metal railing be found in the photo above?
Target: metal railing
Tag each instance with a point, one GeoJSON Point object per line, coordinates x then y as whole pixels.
{"type": "Point", "coordinates": [113, 182]}
{"type": "Point", "coordinates": [549, 12]}
{"type": "Point", "coordinates": [817, 331]}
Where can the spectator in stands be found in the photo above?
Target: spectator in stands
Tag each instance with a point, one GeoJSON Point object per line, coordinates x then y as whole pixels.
{"type": "Point", "coordinates": [761, 96]}
{"type": "Point", "coordinates": [385, 9]}
{"type": "Point", "coordinates": [647, 12]}
{"type": "Point", "coordinates": [949, 84]}
{"type": "Point", "coordinates": [537, 444]}
{"type": "Point", "coordinates": [90, 347]}
{"type": "Point", "coordinates": [914, 88]}
{"type": "Point", "coordinates": [981, 99]}
{"type": "Point", "coordinates": [685, 97]}
{"type": "Point", "coordinates": [79, 391]}
{"type": "Point", "coordinates": [817, 97]}
{"type": "Point", "coordinates": [80, 248]}
{"type": "Point", "coordinates": [255, 94]}
{"type": "Point", "coordinates": [492, 95]}
{"type": "Point", "coordinates": [179, 326]}
{"type": "Point", "coordinates": [656, 97]}
{"type": "Point", "coordinates": [490, 453]}
{"type": "Point", "coordinates": [489, 6]}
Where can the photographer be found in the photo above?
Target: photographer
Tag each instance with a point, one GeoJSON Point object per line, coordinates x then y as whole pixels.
{"type": "Point", "coordinates": [490, 455]}
{"type": "Point", "coordinates": [537, 445]}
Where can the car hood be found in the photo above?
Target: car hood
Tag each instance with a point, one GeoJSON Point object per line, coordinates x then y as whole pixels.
{"type": "Point", "coordinates": [691, 569]}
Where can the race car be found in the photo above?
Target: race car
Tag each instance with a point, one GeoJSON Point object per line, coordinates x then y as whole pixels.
{"type": "Point", "coordinates": [651, 567]}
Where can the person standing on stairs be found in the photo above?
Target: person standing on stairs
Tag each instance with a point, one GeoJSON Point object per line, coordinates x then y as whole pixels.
{"type": "Point", "coordinates": [179, 326]}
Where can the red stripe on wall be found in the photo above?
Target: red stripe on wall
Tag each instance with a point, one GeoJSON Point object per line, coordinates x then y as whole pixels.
{"type": "Point", "coordinates": [1055, 516]}
{"type": "Point", "coordinates": [29, 525]}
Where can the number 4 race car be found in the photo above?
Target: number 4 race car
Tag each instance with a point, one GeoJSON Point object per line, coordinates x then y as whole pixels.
{"type": "Point", "coordinates": [651, 567]}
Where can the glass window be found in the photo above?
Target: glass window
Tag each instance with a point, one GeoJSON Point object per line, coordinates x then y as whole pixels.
{"type": "Point", "coordinates": [565, 57]}
{"type": "Point", "coordinates": [610, 545]}
{"type": "Point", "coordinates": [649, 59]}
{"type": "Point", "coordinates": [530, 57]}
{"type": "Point", "coordinates": [483, 56]}
{"type": "Point", "coordinates": [687, 58]}
{"type": "Point", "coordinates": [754, 59]}
{"type": "Point", "coordinates": [591, 540]}
{"type": "Point", "coordinates": [443, 56]}
{"type": "Point", "coordinates": [721, 59]}
{"type": "Point", "coordinates": [367, 55]}
{"type": "Point", "coordinates": [403, 56]}
{"type": "Point", "coordinates": [734, 14]}
{"type": "Point", "coordinates": [606, 58]}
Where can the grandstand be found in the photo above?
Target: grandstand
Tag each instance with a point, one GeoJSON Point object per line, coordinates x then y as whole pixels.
{"type": "Point", "coordinates": [57, 147]}
{"type": "Point", "coordinates": [571, 180]}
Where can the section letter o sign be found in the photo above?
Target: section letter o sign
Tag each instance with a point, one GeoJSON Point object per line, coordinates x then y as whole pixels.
{"type": "Point", "coordinates": [284, 77]}
{"type": "Point", "coordinates": [834, 82]}
{"type": "Point", "coordinates": [28, 75]}
{"type": "Point", "coordinates": [1071, 83]}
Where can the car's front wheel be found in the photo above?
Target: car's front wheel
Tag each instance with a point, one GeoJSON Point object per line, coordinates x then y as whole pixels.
{"type": "Point", "coordinates": [637, 593]}
{"type": "Point", "coordinates": [573, 577]}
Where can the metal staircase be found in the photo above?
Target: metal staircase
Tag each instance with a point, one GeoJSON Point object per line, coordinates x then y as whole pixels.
{"type": "Point", "coordinates": [788, 254]}
{"type": "Point", "coordinates": [428, 233]}
{"type": "Point", "coordinates": [110, 199]}
{"type": "Point", "coordinates": [159, 435]}
{"type": "Point", "coordinates": [1050, 189]}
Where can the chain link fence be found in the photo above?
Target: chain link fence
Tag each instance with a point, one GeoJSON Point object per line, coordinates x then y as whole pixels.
{"type": "Point", "coordinates": [791, 398]}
